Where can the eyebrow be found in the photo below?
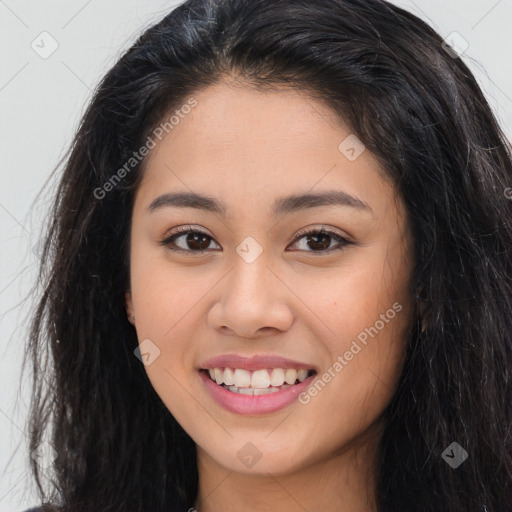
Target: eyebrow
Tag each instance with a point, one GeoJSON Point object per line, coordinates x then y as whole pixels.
{"type": "Point", "coordinates": [281, 206]}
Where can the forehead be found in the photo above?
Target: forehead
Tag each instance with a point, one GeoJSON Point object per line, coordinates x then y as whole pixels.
{"type": "Point", "coordinates": [251, 145]}
{"type": "Point", "coordinates": [256, 123]}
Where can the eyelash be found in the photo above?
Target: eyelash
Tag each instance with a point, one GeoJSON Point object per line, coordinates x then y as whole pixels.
{"type": "Point", "coordinates": [184, 230]}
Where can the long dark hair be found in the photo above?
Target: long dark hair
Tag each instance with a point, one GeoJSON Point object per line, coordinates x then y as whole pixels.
{"type": "Point", "coordinates": [418, 108]}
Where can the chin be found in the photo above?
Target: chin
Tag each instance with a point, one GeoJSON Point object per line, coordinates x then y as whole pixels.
{"type": "Point", "coordinates": [261, 457]}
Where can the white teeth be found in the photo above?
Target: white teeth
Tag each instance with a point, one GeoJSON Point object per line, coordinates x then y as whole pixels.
{"type": "Point", "coordinates": [302, 374]}
{"type": "Point", "coordinates": [250, 391]}
{"type": "Point", "coordinates": [277, 377]}
{"type": "Point", "coordinates": [290, 376]}
{"type": "Point", "coordinates": [218, 375]}
{"type": "Point", "coordinates": [229, 377]}
{"type": "Point", "coordinates": [242, 378]}
{"type": "Point", "coordinates": [265, 391]}
{"type": "Point", "coordinates": [260, 379]}
{"type": "Point", "coordinates": [239, 379]}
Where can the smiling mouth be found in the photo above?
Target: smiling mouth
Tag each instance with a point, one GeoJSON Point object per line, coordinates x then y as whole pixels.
{"type": "Point", "coordinates": [257, 382]}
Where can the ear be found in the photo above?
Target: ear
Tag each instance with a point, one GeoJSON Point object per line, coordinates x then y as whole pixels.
{"type": "Point", "coordinates": [129, 307]}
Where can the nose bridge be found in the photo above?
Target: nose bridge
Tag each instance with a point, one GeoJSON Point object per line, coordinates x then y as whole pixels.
{"type": "Point", "coordinates": [249, 281]}
{"type": "Point", "coordinates": [252, 297]}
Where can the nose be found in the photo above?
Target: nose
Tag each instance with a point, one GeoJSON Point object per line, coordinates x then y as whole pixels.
{"type": "Point", "coordinates": [252, 302]}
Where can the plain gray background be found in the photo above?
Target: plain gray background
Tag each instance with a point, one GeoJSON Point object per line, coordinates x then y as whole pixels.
{"type": "Point", "coordinates": [41, 101]}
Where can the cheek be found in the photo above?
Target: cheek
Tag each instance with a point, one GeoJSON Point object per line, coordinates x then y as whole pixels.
{"type": "Point", "coordinates": [367, 359]}
{"type": "Point", "coordinates": [163, 292]}
{"type": "Point", "coordinates": [167, 311]}
{"type": "Point", "coordinates": [362, 317]}
{"type": "Point", "coordinates": [342, 304]}
{"type": "Point", "coordinates": [167, 304]}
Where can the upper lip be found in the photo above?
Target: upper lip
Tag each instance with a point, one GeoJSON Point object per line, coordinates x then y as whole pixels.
{"type": "Point", "coordinates": [260, 362]}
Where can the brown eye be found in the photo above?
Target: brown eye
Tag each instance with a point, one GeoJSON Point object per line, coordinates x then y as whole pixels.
{"type": "Point", "coordinates": [319, 241]}
{"type": "Point", "coordinates": [197, 241]}
{"type": "Point", "coordinates": [188, 241]}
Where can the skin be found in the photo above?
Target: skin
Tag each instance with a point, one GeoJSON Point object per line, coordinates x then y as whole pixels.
{"type": "Point", "coordinates": [247, 148]}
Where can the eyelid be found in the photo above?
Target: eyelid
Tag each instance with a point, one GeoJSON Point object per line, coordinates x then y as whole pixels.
{"type": "Point", "coordinates": [343, 240]}
{"type": "Point", "coordinates": [303, 231]}
{"type": "Point", "coordinates": [188, 227]}
{"type": "Point", "coordinates": [319, 228]}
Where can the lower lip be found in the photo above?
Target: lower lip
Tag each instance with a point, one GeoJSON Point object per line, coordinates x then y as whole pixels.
{"type": "Point", "coordinates": [253, 405]}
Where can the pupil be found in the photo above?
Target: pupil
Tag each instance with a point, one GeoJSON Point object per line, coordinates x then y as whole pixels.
{"type": "Point", "coordinates": [195, 238]}
{"type": "Point", "coordinates": [323, 245]}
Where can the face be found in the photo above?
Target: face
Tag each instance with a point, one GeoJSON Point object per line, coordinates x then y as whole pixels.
{"type": "Point", "coordinates": [243, 284]}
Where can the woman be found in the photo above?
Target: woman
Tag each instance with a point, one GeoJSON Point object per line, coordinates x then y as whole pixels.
{"type": "Point", "coordinates": [278, 274]}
